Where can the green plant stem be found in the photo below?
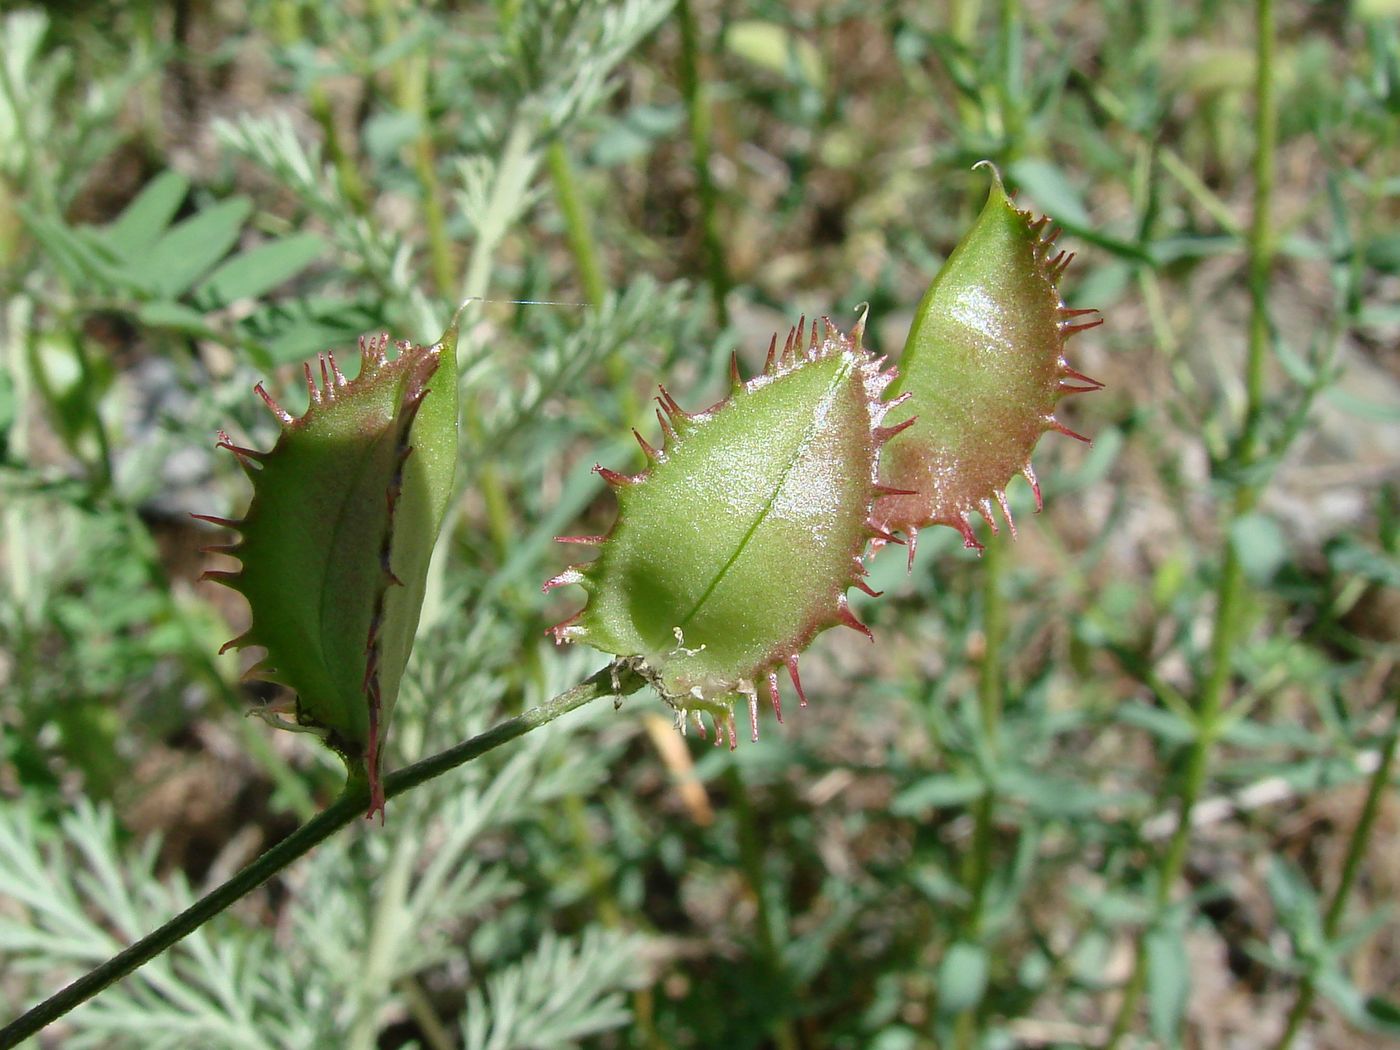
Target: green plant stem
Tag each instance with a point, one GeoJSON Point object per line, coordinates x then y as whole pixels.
{"type": "Point", "coordinates": [1261, 233]}
{"type": "Point", "coordinates": [411, 96]}
{"type": "Point", "coordinates": [751, 859]}
{"type": "Point", "coordinates": [18, 315]}
{"type": "Point", "coordinates": [584, 247]}
{"type": "Point", "coordinates": [1011, 88]}
{"type": "Point", "coordinates": [420, 1007]}
{"type": "Point", "coordinates": [1351, 867]}
{"type": "Point", "coordinates": [346, 173]}
{"type": "Point", "coordinates": [576, 227]}
{"type": "Point", "coordinates": [989, 704]}
{"type": "Point", "coordinates": [444, 268]}
{"type": "Point", "coordinates": [509, 186]}
{"type": "Point", "coordinates": [287, 31]}
{"type": "Point", "coordinates": [374, 973]}
{"type": "Point", "coordinates": [1230, 589]}
{"type": "Point", "coordinates": [617, 679]}
{"type": "Point", "coordinates": [30, 176]}
{"type": "Point", "coordinates": [989, 707]}
{"type": "Point", "coordinates": [963, 16]}
{"type": "Point", "coordinates": [698, 109]}
{"type": "Point", "coordinates": [511, 183]}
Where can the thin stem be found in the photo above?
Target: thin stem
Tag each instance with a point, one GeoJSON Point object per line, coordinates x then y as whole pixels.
{"type": "Point", "coordinates": [420, 1007]}
{"type": "Point", "coordinates": [1351, 867]}
{"type": "Point", "coordinates": [287, 31]}
{"type": "Point", "coordinates": [511, 183]}
{"type": "Point", "coordinates": [576, 227]}
{"type": "Point", "coordinates": [1261, 233]}
{"type": "Point", "coordinates": [617, 679]}
{"type": "Point", "coordinates": [584, 247]}
{"type": "Point", "coordinates": [30, 176]}
{"type": "Point", "coordinates": [1230, 589]}
{"type": "Point", "coordinates": [1010, 86]}
{"type": "Point", "coordinates": [411, 96]}
{"type": "Point", "coordinates": [17, 316]}
{"type": "Point", "coordinates": [391, 891]}
{"type": "Point", "coordinates": [751, 859]}
{"type": "Point", "coordinates": [698, 107]}
{"type": "Point", "coordinates": [509, 186]}
{"type": "Point", "coordinates": [989, 707]}
{"type": "Point", "coordinates": [963, 16]}
{"type": "Point", "coordinates": [346, 173]}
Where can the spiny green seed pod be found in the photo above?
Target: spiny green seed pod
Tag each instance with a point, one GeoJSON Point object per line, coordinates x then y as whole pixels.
{"type": "Point", "coordinates": [336, 541]}
{"type": "Point", "coordinates": [985, 365]}
{"type": "Point", "coordinates": [735, 547]}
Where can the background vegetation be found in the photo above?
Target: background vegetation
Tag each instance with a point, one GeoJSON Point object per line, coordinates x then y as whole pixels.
{"type": "Point", "coordinates": [973, 836]}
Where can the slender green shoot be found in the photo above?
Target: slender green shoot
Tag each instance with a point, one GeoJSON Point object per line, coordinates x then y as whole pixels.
{"type": "Point", "coordinates": [1357, 845]}
{"type": "Point", "coordinates": [978, 863]}
{"type": "Point", "coordinates": [698, 107]}
{"type": "Point", "coordinates": [1231, 597]}
{"type": "Point", "coordinates": [617, 679]}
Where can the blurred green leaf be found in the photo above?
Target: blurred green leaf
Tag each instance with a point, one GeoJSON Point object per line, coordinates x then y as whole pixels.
{"type": "Point", "coordinates": [1057, 198]}
{"type": "Point", "coordinates": [1168, 981]}
{"type": "Point", "coordinates": [1296, 905]}
{"type": "Point", "coordinates": [1376, 10]}
{"type": "Point", "coordinates": [936, 792]}
{"type": "Point", "coordinates": [250, 274]}
{"type": "Point", "coordinates": [1088, 959]}
{"type": "Point", "coordinates": [186, 252]}
{"type": "Point", "coordinates": [635, 133]}
{"type": "Point", "coordinates": [1167, 250]}
{"type": "Point", "coordinates": [385, 134]}
{"type": "Point", "coordinates": [295, 330]}
{"type": "Point", "coordinates": [1337, 987]}
{"type": "Point", "coordinates": [1107, 447]}
{"type": "Point", "coordinates": [1056, 796]}
{"type": "Point", "coordinates": [962, 977]}
{"type": "Point", "coordinates": [84, 258]}
{"type": "Point", "coordinates": [162, 313]}
{"type": "Point", "coordinates": [1383, 253]}
{"type": "Point", "coordinates": [8, 406]}
{"type": "Point", "coordinates": [147, 216]}
{"type": "Point", "coordinates": [1382, 1013]}
{"type": "Point", "coordinates": [1115, 907]}
{"type": "Point", "coordinates": [1053, 193]}
{"type": "Point", "coordinates": [1260, 546]}
{"type": "Point", "coordinates": [1347, 555]}
{"type": "Point", "coordinates": [1160, 723]}
{"type": "Point", "coordinates": [1363, 408]}
{"type": "Point", "coordinates": [775, 48]}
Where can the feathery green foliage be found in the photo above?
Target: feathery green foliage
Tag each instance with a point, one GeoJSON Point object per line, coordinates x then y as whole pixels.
{"type": "Point", "coordinates": [1159, 727]}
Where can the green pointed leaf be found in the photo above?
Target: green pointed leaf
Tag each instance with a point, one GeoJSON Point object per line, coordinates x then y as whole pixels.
{"type": "Point", "coordinates": [146, 217]}
{"type": "Point", "coordinates": [735, 548]}
{"type": "Point", "coordinates": [85, 259]}
{"type": "Point", "coordinates": [937, 791]}
{"type": "Point", "coordinates": [162, 313]}
{"type": "Point", "coordinates": [186, 252]}
{"type": "Point", "coordinates": [252, 273]}
{"type": "Point", "coordinates": [984, 363]}
{"type": "Point", "coordinates": [335, 544]}
{"type": "Point", "coordinates": [1168, 980]}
